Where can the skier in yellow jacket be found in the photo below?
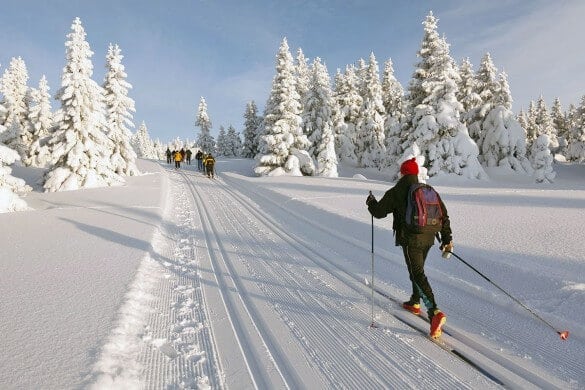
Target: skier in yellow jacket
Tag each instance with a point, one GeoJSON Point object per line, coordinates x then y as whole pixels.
{"type": "Point", "coordinates": [209, 163]}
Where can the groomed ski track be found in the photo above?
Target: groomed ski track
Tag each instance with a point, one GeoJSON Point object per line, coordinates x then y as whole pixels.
{"type": "Point", "coordinates": [236, 295]}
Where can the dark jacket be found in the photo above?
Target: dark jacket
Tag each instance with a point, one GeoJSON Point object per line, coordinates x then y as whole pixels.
{"type": "Point", "coordinates": [394, 202]}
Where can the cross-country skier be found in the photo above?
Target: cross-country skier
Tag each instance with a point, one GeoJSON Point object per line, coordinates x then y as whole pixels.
{"type": "Point", "coordinates": [414, 246]}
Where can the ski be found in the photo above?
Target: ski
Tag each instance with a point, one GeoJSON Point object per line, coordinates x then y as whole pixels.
{"type": "Point", "coordinates": [440, 342]}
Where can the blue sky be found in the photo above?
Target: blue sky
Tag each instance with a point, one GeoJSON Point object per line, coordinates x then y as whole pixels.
{"type": "Point", "coordinates": [177, 51]}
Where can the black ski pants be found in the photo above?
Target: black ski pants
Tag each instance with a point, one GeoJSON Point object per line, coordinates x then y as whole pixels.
{"type": "Point", "coordinates": [415, 255]}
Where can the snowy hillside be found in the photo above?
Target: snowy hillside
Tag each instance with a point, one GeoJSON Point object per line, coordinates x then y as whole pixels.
{"type": "Point", "coordinates": [175, 280]}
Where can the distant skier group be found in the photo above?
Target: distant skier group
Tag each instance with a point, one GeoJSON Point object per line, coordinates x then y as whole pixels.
{"type": "Point", "coordinates": [205, 161]}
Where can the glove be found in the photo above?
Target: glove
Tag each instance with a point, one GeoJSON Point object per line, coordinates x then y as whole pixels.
{"type": "Point", "coordinates": [370, 199]}
{"type": "Point", "coordinates": [447, 249]}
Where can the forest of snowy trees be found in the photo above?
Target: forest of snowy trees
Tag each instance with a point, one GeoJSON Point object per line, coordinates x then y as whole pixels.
{"type": "Point", "coordinates": [454, 119]}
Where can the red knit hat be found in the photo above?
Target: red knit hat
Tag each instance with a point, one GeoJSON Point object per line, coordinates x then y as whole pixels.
{"type": "Point", "coordinates": [409, 167]}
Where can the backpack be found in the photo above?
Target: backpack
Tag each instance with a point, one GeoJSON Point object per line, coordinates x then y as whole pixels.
{"type": "Point", "coordinates": [423, 210]}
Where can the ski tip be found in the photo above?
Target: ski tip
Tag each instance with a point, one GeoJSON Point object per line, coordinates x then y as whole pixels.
{"type": "Point", "coordinates": [564, 334]}
{"type": "Point", "coordinates": [366, 281]}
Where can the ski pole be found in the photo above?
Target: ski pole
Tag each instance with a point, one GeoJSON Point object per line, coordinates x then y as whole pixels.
{"type": "Point", "coordinates": [563, 334]}
{"type": "Point", "coordinates": [372, 325]}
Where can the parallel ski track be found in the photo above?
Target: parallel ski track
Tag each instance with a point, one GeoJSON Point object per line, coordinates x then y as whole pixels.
{"type": "Point", "coordinates": [456, 343]}
{"type": "Point", "coordinates": [316, 337]}
{"type": "Point", "coordinates": [241, 313]}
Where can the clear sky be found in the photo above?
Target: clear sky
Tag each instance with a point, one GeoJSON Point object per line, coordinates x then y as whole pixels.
{"type": "Point", "coordinates": [224, 50]}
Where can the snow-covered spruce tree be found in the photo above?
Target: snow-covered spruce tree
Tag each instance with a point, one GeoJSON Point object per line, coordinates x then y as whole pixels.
{"type": "Point", "coordinates": [142, 143]}
{"type": "Point", "coordinates": [434, 112]}
{"type": "Point", "coordinates": [251, 126]}
{"type": "Point", "coordinates": [80, 148]}
{"type": "Point", "coordinates": [13, 86]}
{"type": "Point", "coordinates": [544, 124]}
{"type": "Point", "coordinates": [467, 93]}
{"type": "Point", "coordinates": [318, 120]}
{"type": "Point", "coordinates": [119, 108]}
{"type": "Point", "coordinates": [233, 142]}
{"type": "Point", "coordinates": [40, 117]}
{"type": "Point", "coordinates": [487, 87]}
{"type": "Point", "coordinates": [576, 135]}
{"type": "Point", "coordinates": [11, 188]}
{"type": "Point", "coordinates": [349, 104]}
{"type": "Point", "coordinates": [221, 145]}
{"type": "Point", "coordinates": [503, 138]}
{"type": "Point", "coordinates": [531, 126]}
{"type": "Point", "coordinates": [204, 139]}
{"type": "Point", "coordinates": [542, 160]}
{"type": "Point", "coordinates": [370, 140]}
{"type": "Point", "coordinates": [394, 106]}
{"type": "Point", "coordinates": [303, 79]}
{"type": "Point", "coordinates": [283, 142]}
{"type": "Point", "coordinates": [504, 141]}
{"type": "Point", "coordinates": [560, 123]}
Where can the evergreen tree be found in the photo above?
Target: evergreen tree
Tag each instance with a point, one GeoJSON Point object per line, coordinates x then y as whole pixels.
{"type": "Point", "coordinates": [303, 76]}
{"type": "Point", "coordinates": [221, 145]}
{"type": "Point", "coordinates": [283, 146]}
{"type": "Point", "coordinates": [11, 188]}
{"type": "Point", "coordinates": [487, 87]}
{"type": "Point", "coordinates": [205, 140]}
{"type": "Point", "coordinates": [560, 124]}
{"type": "Point", "coordinates": [251, 127]}
{"type": "Point", "coordinates": [434, 111]}
{"type": "Point", "coordinates": [576, 135]}
{"type": "Point", "coordinates": [143, 145]}
{"type": "Point", "coordinates": [41, 122]}
{"type": "Point", "coordinates": [349, 103]}
{"type": "Point", "coordinates": [467, 92]}
{"type": "Point", "coordinates": [80, 148]}
{"type": "Point", "coordinates": [542, 160]}
{"type": "Point", "coordinates": [318, 120]}
{"type": "Point", "coordinates": [531, 126]}
{"type": "Point", "coordinates": [13, 86]}
{"type": "Point", "coordinates": [119, 108]}
{"type": "Point", "coordinates": [370, 146]}
{"type": "Point", "coordinates": [233, 142]}
{"type": "Point", "coordinates": [544, 124]}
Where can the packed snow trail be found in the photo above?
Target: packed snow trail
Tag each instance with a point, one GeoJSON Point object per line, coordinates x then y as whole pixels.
{"type": "Point", "coordinates": [239, 292]}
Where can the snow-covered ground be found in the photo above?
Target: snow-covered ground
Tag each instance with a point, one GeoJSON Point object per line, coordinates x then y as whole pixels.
{"type": "Point", "coordinates": [179, 281]}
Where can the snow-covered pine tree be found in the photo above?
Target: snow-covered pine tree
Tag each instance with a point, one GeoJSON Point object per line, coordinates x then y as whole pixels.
{"type": "Point", "coordinates": [434, 112]}
{"type": "Point", "coordinates": [40, 117]}
{"type": "Point", "coordinates": [80, 148]}
{"type": "Point", "coordinates": [303, 76]}
{"type": "Point", "coordinates": [394, 106]}
{"type": "Point", "coordinates": [467, 93]}
{"type": "Point", "coordinates": [576, 134]}
{"type": "Point", "coordinates": [370, 140]}
{"type": "Point", "coordinates": [233, 142]}
{"type": "Point", "coordinates": [283, 146]}
{"type": "Point", "coordinates": [318, 120]}
{"type": "Point", "coordinates": [544, 124]}
{"type": "Point", "coordinates": [487, 87]}
{"type": "Point", "coordinates": [221, 145]}
{"type": "Point", "coordinates": [13, 86]}
{"type": "Point", "coordinates": [542, 160]}
{"type": "Point", "coordinates": [251, 127]}
{"type": "Point", "coordinates": [531, 126]}
{"type": "Point", "coordinates": [142, 143]}
{"type": "Point", "coordinates": [349, 104]}
{"type": "Point", "coordinates": [560, 123]}
{"type": "Point", "coordinates": [119, 108]}
{"type": "Point", "coordinates": [503, 138]}
{"type": "Point", "coordinates": [204, 139]}
{"type": "Point", "coordinates": [11, 188]}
